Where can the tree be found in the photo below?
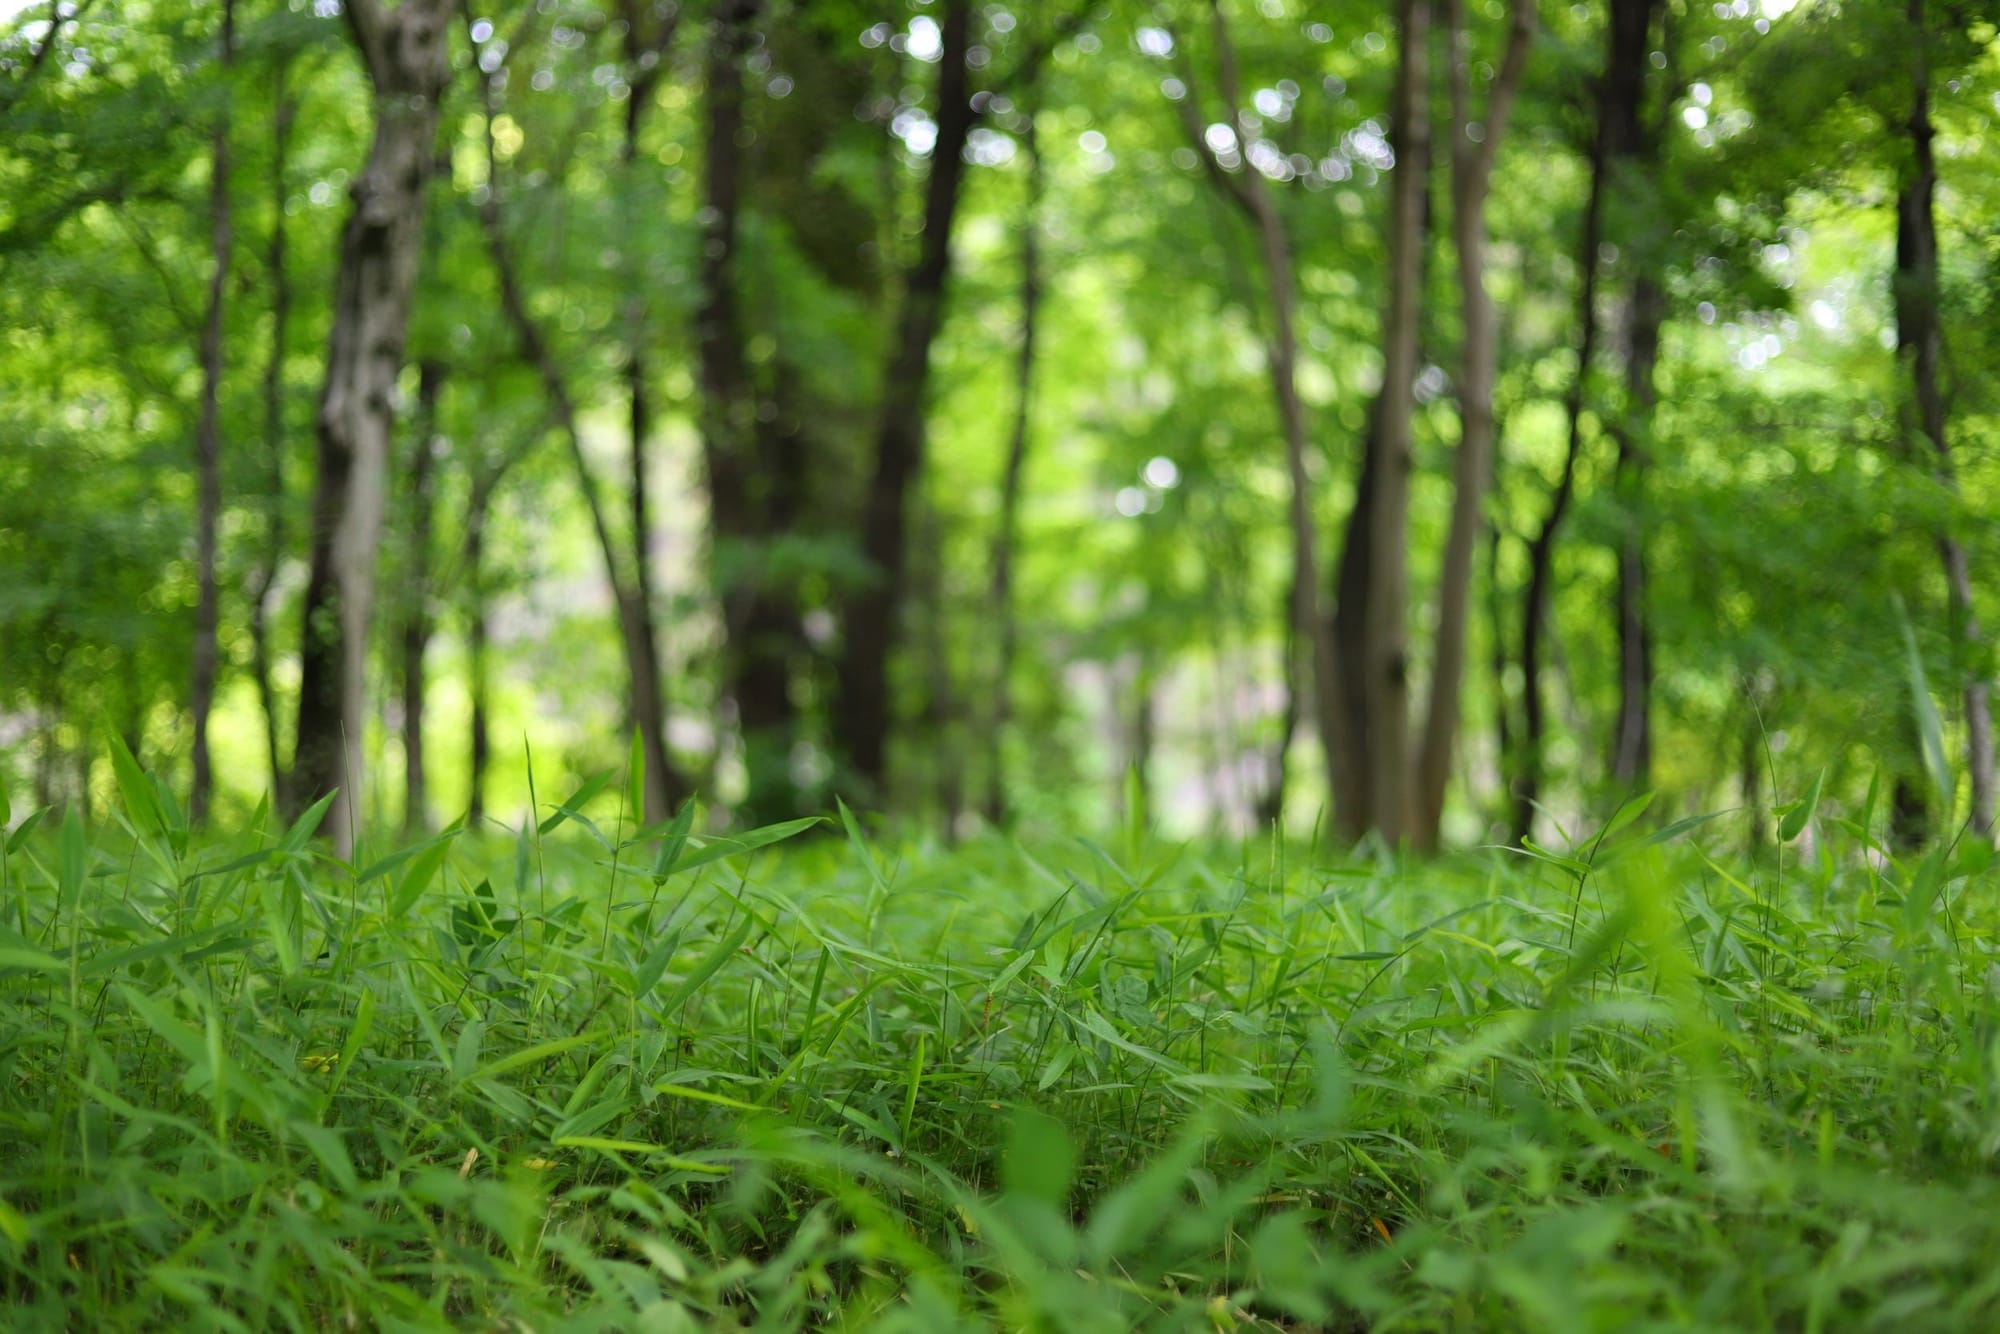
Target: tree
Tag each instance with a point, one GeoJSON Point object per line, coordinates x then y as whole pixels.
{"type": "Point", "coordinates": [208, 444]}
{"type": "Point", "coordinates": [405, 52]}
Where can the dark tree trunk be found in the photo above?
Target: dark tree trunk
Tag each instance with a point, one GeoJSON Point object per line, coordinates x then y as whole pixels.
{"type": "Point", "coordinates": [478, 739]}
{"type": "Point", "coordinates": [863, 716]}
{"type": "Point", "coordinates": [1632, 751]}
{"type": "Point", "coordinates": [277, 262]}
{"type": "Point", "coordinates": [1920, 345]}
{"type": "Point", "coordinates": [208, 449]}
{"type": "Point", "coordinates": [1007, 536]}
{"type": "Point", "coordinates": [406, 53]}
{"type": "Point", "coordinates": [754, 454]}
{"type": "Point", "coordinates": [417, 618]}
{"type": "Point", "coordinates": [645, 51]}
{"type": "Point", "coordinates": [1620, 92]}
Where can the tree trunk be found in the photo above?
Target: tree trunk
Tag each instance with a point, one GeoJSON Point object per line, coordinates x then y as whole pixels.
{"type": "Point", "coordinates": [480, 745]}
{"type": "Point", "coordinates": [664, 783]}
{"type": "Point", "coordinates": [1385, 666]}
{"type": "Point", "coordinates": [753, 451]}
{"type": "Point", "coordinates": [862, 719]}
{"type": "Point", "coordinates": [208, 448]}
{"type": "Point", "coordinates": [265, 574]}
{"type": "Point", "coordinates": [645, 53]}
{"type": "Point", "coordinates": [1632, 751]}
{"type": "Point", "coordinates": [1920, 344]}
{"type": "Point", "coordinates": [1620, 91]}
{"type": "Point", "coordinates": [1471, 176]}
{"type": "Point", "coordinates": [407, 58]}
{"type": "Point", "coordinates": [1315, 658]}
{"type": "Point", "coordinates": [1007, 534]}
{"type": "Point", "coordinates": [417, 618]}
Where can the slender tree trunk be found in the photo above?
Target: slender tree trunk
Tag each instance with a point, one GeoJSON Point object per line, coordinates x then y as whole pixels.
{"type": "Point", "coordinates": [664, 783]}
{"type": "Point", "coordinates": [645, 50]}
{"type": "Point", "coordinates": [863, 717]}
{"type": "Point", "coordinates": [208, 448]}
{"type": "Point", "coordinates": [1386, 664]}
{"type": "Point", "coordinates": [478, 739]}
{"type": "Point", "coordinates": [1007, 534]}
{"type": "Point", "coordinates": [1620, 91]}
{"type": "Point", "coordinates": [1471, 176]}
{"type": "Point", "coordinates": [1920, 344]}
{"type": "Point", "coordinates": [417, 618]}
{"type": "Point", "coordinates": [1632, 752]}
{"type": "Point", "coordinates": [406, 52]}
{"type": "Point", "coordinates": [277, 263]}
{"type": "Point", "coordinates": [1315, 659]}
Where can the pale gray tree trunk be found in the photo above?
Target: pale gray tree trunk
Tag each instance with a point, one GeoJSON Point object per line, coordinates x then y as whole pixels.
{"type": "Point", "coordinates": [406, 54]}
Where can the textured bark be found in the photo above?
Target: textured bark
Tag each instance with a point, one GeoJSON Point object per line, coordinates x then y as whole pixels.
{"type": "Point", "coordinates": [864, 713]}
{"type": "Point", "coordinates": [1632, 748]}
{"type": "Point", "coordinates": [1620, 91]}
{"type": "Point", "coordinates": [418, 622]}
{"type": "Point", "coordinates": [406, 55]}
{"type": "Point", "coordinates": [665, 785]}
{"type": "Point", "coordinates": [1314, 658]}
{"type": "Point", "coordinates": [1007, 534]}
{"type": "Point", "coordinates": [208, 447]}
{"type": "Point", "coordinates": [277, 264]}
{"type": "Point", "coordinates": [479, 742]}
{"type": "Point", "coordinates": [1385, 665]}
{"type": "Point", "coordinates": [1471, 176]}
{"type": "Point", "coordinates": [1920, 345]}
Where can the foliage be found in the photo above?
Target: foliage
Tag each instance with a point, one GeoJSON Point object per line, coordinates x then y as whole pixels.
{"type": "Point", "coordinates": [620, 1078]}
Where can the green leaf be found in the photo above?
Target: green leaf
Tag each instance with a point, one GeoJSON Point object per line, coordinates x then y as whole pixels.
{"type": "Point", "coordinates": [1930, 732]}
{"type": "Point", "coordinates": [715, 849]}
{"type": "Point", "coordinates": [592, 785]}
{"type": "Point", "coordinates": [142, 803]}
{"type": "Point", "coordinates": [1802, 811]}
{"type": "Point", "coordinates": [422, 871]}
{"type": "Point", "coordinates": [1626, 814]}
{"type": "Point", "coordinates": [673, 842]}
{"type": "Point", "coordinates": [27, 827]}
{"type": "Point", "coordinates": [706, 969]}
{"type": "Point", "coordinates": [305, 826]}
{"type": "Point", "coordinates": [541, 1051]}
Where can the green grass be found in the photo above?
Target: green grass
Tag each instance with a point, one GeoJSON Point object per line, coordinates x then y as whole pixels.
{"type": "Point", "coordinates": [586, 1078]}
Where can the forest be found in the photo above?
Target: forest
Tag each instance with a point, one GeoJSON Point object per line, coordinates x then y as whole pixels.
{"type": "Point", "coordinates": [1035, 664]}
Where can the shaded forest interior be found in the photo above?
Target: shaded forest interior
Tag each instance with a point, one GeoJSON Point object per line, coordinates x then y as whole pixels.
{"type": "Point", "coordinates": [1441, 422]}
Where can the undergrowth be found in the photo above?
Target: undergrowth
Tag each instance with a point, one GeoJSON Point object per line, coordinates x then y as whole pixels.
{"type": "Point", "coordinates": [583, 1077]}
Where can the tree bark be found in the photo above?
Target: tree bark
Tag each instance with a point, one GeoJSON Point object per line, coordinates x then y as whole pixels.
{"type": "Point", "coordinates": [1632, 750]}
{"type": "Point", "coordinates": [863, 717]}
{"type": "Point", "coordinates": [1920, 345]}
{"type": "Point", "coordinates": [1620, 91]}
{"type": "Point", "coordinates": [1471, 177]}
{"type": "Point", "coordinates": [754, 454]}
{"type": "Point", "coordinates": [406, 54]}
{"type": "Point", "coordinates": [265, 574]}
{"type": "Point", "coordinates": [479, 744]}
{"type": "Point", "coordinates": [1007, 533]}
{"type": "Point", "coordinates": [418, 622]}
{"type": "Point", "coordinates": [208, 447]}
{"type": "Point", "coordinates": [1385, 667]}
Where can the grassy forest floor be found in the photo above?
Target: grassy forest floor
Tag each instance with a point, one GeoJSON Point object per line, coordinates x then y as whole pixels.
{"type": "Point", "coordinates": [580, 1079]}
